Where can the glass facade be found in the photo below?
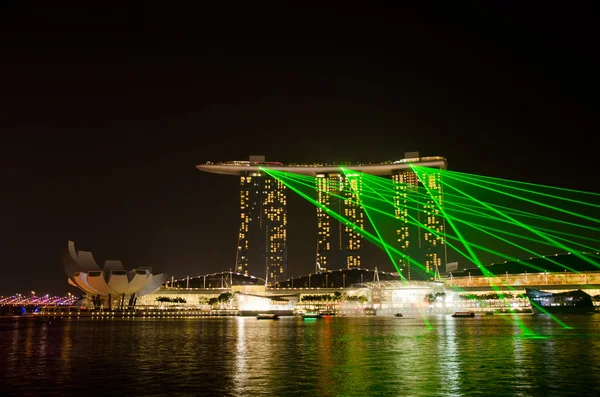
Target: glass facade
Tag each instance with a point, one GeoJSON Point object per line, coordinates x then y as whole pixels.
{"type": "Point", "coordinates": [262, 247]}
{"type": "Point", "coordinates": [338, 243]}
{"type": "Point", "coordinates": [421, 223]}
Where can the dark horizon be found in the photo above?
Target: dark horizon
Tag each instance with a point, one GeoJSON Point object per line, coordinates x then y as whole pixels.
{"type": "Point", "coordinates": [108, 109]}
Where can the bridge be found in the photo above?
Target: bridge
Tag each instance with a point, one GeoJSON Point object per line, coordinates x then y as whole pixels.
{"type": "Point", "coordinates": [18, 304]}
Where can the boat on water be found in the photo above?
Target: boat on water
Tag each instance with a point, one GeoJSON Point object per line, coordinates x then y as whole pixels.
{"type": "Point", "coordinates": [370, 312]}
{"type": "Point", "coordinates": [398, 315]}
{"type": "Point", "coordinates": [311, 315]}
{"type": "Point", "coordinates": [463, 314]}
{"type": "Point", "coordinates": [327, 314]}
{"type": "Point", "coordinates": [571, 302]}
{"type": "Point", "coordinates": [267, 316]}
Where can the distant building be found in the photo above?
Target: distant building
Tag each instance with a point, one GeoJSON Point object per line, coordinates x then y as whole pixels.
{"type": "Point", "coordinates": [262, 239]}
{"type": "Point", "coordinates": [417, 205]}
{"type": "Point", "coordinates": [342, 278]}
{"type": "Point", "coordinates": [338, 243]}
{"type": "Point", "coordinates": [262, 245]}
{"type": "Point", "coordinates": [109, 286]}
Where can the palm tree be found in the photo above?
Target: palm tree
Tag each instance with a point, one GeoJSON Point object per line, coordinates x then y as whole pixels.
{"type": "Point", "coordinates": [225, 297]}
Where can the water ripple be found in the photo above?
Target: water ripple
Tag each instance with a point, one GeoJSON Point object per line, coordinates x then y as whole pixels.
{"type": "Point", "coordinates": [363, 356]}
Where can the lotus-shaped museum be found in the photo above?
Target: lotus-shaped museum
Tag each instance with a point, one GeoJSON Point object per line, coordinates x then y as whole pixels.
{"type": "Point", "coordinates": [110, 281]}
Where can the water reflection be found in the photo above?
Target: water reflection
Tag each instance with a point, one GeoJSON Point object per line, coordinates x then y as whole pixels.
{"type": "Point", "coordinates": [449, 363]}
{"type": "Point", "coordinates": [263, 354]}
{"type": "Point", "coordinates": [64, 349]}
{"type": "Point", "coordinates": [343, 359]}
{"type": "Point", "coordinates": [292, 357]}
{"type": "Point", "coordinates": [240, 370]}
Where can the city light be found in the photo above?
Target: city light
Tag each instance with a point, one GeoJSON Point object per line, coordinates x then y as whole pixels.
{"type": "Point", "coordinates": [19, 299]}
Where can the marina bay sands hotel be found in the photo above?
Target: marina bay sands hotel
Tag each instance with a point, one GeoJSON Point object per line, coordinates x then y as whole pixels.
{"type": "Point", "coordinates": [262, 240]}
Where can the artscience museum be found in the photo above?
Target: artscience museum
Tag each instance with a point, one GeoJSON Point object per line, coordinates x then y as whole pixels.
{"type": "Point", "coordinates": [109, 286]}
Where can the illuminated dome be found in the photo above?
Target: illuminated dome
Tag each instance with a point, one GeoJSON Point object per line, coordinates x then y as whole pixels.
{"type": "Point", "coordinates": [112, 279]}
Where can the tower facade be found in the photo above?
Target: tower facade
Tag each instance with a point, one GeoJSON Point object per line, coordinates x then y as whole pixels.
{"type": "Point", "coordinates": [420, 223]}
{"type": "Point", "coordinates": [338, 242]}
{"type": "Point", "coordinates": [262, 247]}
{"type": "Point", "coordinates": [262, 240]}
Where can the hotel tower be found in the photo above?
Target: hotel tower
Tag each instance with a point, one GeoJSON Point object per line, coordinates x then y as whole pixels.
{"type": "Point", "coordinates": [420, 221]}
{"type": "Point", "coordinates": [262, 247]}
{"type": "Point", "coordinates": [338, 244]}
{"type": "Point", "coordinates": [262, 239]}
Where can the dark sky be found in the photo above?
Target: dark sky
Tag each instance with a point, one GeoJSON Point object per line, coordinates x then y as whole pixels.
{"type": "Point", "coordinates": [106, 110]}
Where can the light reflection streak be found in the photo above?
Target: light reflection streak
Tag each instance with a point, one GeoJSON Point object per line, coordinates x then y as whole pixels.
{"type": "Point", "coordinates": [14, 351]}
{"type": "Point", "coordinates": [261, 343]}
{"type": "Point", "coordinates": [65, 345]}
{"type": "Point", "coordinates": [332, 361]}
{"type": "Point", "coordinates": [240, 377]}
{"type": "Point", "coordinates": [520, 368]}
{"type": "Point", "coordinates": [29, 341]}
{"type": "Point", "coordinates": [449, 364]}
{"type": "Point", "coordinates": [343, 356]}
{"type": "Point", "coordinates": [408, 344]}
{"type": "Point", "coordinates": [324, 351]}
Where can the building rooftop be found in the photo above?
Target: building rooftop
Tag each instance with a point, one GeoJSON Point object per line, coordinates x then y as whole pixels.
{"type": "Point", "coordinates": [559, 262]}
{"type": "Point", "coordinates": [379, 168]}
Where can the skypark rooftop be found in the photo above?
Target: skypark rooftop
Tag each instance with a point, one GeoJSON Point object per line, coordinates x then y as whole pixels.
{"type": "Point", "coordinates": [382, 168]}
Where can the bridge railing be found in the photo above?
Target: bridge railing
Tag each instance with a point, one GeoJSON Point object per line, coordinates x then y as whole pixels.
{"type": "Point", "coordinates": [524, 279]}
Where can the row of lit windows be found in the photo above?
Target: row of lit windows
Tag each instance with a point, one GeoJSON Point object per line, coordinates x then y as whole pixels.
{"type": "Point", "coordinates": [335, 181]}
{"type": "Point", "coordinates": [353, 261]}
{"type": "Point", "coordinates": [353, 244]}
{"type": "Point", "coordinates": [274, 247]}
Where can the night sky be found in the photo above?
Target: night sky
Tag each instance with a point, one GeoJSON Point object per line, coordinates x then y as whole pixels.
{"type": "Point", "coordinates": [106, 111]}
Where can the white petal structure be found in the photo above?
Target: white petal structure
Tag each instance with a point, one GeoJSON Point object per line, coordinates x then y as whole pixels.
{"type": "Point", "coordinates": [118, 281]}
{"type": "Point", "coordinates": [81, 279]}
{"type": "Point", "coordinates": [138, 279]}
{"type": "Point", "coordinates": [96, 280]}
{"type": "Point", "coordinates": [86, 261]}
{"type": "Point", "coordinates": [156, 280]}
{"type": "Point", "coordinates": [110, 280]}
{"type": "Point", "coordinates": [113, 265]}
